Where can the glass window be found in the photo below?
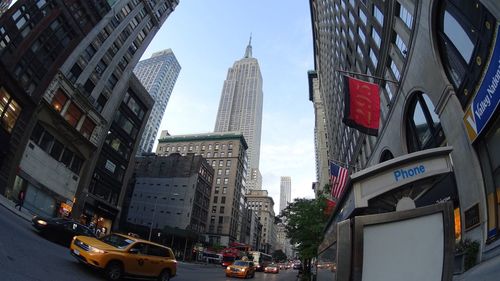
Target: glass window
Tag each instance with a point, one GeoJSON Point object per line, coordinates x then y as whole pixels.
{"type": "Point", "coordinates": [67, 157]}
{"type": "Point", "coordinates": [87, 127]}
{"type": "Point", "coordinates": [76, 164]}
{"type": "Point", "coordinates": [73, 114]}
{"type": "Point", "coordinates": [46, 141]}
{"type": "Point", "coordinates": [362, 16]}
{"type": "Point", "coordinates": [378, 15]}
{"type": "Point", "coordinates": [405, 16]}
{"type": "Point", "coordinates": [59, 100]}
{"type": "Point", "coordinates": [456, 33]}
{"type": "Point", "coordinates": [401, 45]}
{"type": "Point", "coordinates": [376, 37]}
{"type": "Point", "coordinates": [423, 127]}
{"type": "Point", "coordinates": [9, 110]}
{"type": "Point", "coordinates": [57, 149]}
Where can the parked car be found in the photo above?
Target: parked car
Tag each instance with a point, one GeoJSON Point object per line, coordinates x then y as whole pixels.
{"type": "Point", "coordinates": [240, 268]}
{"type": "Point", "coordinates": [119, 255]}
{"type": "Point", "coordinates": [272, 268]}
{"type": "Point", "coordinates": [297, 266]}
{"type": "Point", "coordinates": [60, 230]}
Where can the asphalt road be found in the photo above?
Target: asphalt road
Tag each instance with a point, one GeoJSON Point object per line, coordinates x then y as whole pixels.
{"type": "Point", "coordinates": [26, 256]}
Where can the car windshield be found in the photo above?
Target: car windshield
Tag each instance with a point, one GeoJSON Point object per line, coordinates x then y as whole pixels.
{"type": "Point", "coordinates": [117, 241]}
{"type": "Point", "coordinates": [241, 263]}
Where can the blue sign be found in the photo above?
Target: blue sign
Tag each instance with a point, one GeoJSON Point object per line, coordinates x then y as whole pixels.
{"type": "Point", "coordinates": [402, 174]}
{"type": "Point", "coordinates": [487, 97]}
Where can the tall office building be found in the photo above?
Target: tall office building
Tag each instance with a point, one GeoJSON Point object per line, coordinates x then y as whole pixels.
{"type": "Point", "coordinates": [158, 74]}
{"type": "Point", "coordinates": [240, 109]}
{"type": "Point", "coordinates": [73, 154]}
{"type": "Point", "coordinates": [439, 59]}
{"type": "Point", "coordinates": [285, 192]}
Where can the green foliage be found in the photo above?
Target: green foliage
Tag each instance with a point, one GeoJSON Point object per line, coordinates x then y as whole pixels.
{"type": "Point", "coordinates": [304, 223]}
{"type": "Point", "coordinates": [470, 249]}
{"type": "Point", "coordinates": [278, 255]}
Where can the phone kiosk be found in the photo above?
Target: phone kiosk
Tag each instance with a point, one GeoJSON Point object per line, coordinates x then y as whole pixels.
{"type": "Point", "coordinates": [396, 221]}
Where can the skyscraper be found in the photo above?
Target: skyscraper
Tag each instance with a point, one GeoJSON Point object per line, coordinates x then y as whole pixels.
{"type": "Point", "coordinates": [285, 192]}
{"type": "Point", "coordinates": [240, 109]}
{"type": "Point", "coordinates": [158, 74]}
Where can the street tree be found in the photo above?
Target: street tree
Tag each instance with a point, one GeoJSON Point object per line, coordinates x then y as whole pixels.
{"type": "Point", "coordinates": [305, 220]}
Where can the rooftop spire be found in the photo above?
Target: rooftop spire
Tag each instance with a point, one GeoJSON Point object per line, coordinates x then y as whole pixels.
{"type": "Point", "coordinates": [248, 52]}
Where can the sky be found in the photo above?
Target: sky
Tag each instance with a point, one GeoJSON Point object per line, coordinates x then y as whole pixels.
{"type": "Point", "coordinates": [207, 37]}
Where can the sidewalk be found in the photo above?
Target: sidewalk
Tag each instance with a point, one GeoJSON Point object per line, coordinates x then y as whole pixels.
{"type": "Point", "coordinates": [486, 271]}
{"type": "Point", "coordinates": [9, 205]}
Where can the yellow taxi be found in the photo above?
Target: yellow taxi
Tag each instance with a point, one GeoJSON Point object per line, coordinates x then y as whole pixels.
{"type": "Point", "coordinates": [241, 268]}
{"type": "Point", "coordinates": [119, 255]}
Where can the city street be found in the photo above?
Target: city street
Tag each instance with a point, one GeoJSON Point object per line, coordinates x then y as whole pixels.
{"type": "Point", "coordinates": [26, 256]}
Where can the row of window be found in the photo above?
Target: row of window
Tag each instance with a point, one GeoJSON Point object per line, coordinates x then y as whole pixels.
{"type": "Point", "coordinates": [73, 114]}
{"type": "Point", "coordinates": [56, 149]}
{"type": "Point", "coordinates": [191, 147]}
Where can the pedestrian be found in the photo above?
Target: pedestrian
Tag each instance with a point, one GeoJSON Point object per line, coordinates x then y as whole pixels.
{"type": "Point", "coordinates": [20, 199]}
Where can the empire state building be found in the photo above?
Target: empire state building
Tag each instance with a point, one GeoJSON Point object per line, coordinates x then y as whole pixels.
{"type": "Point", "coordinates": [240, 109]}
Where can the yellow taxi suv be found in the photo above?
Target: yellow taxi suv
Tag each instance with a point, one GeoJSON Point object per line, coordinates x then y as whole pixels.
{"type": "Point", "coordinates": [121, 255]}
{"type": "Point", "coordinates": [240, 268]}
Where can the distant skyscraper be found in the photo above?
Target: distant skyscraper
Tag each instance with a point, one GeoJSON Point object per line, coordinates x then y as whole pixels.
{"type": "Point", "coordinates": [240, 109]}
{"type": "Point", "coordinates": [285, 192]}
{"type": "Point", "coordinates": [158, 74]}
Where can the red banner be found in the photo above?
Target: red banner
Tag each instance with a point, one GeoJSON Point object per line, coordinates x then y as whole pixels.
{"type": "Point", "coordinates": [362, 105]}
{"type": "Point", "coordinates": [330, 205]}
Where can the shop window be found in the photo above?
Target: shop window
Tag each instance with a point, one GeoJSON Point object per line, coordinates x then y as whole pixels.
{"type": "Point", "coordinates": [423, 127]}
{"type": "Point", "coordinates": [9, 110]}
{"type": "Point", "coordinates": [465, 32]}
{"type": "Point", "coordinates": [59, 100]}
{"type": "Point", "coordinates": [73, 115]}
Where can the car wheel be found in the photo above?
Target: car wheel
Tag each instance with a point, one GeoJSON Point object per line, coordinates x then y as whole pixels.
{"type": "Point", "coordinates": [113, 271]}
{"type": "Point", "coordinates": [164, 276]}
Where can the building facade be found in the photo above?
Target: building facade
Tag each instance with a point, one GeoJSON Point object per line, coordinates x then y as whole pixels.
{"type": "Point", "coordinates": [226, 153]}
{"type": "Point", "coordinates": [440, 59]}
{"type": "Point", "coordinates": [158, 74]}
{"type": "Point", "coordinates": [320, 135]}
{"type": "Point", "coordinates": [285, 192]}
{"type": "Point", "coordinates": [90, 113]}
{"type": "Point", "coordinates": [240, 109]}
{"type": "Point", "coordinates": [259, 201]}
{"type": "Point", "coordinates": [169, 197]}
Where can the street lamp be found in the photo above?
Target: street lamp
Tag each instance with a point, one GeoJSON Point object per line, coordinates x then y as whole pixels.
{"type": "Point", "coordinates": [153, 218]}
{"type": "Point", "coordinates": [154, 215]}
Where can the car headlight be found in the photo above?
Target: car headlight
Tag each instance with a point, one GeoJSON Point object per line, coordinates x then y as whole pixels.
{"type": "Point", "coordinates": [42, 222]}
{"type": "Point", "coordinates": [243, 269]}
{"type": "Point", "coordinates": [228, 268]}
{"type": "Point", "coordinates": [96, 250]}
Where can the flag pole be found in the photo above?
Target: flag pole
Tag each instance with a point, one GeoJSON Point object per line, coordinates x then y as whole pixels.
{"type": "Point", "coordinates": [370, 76]}
{"type": "Point", "coordinates": [343, 163]}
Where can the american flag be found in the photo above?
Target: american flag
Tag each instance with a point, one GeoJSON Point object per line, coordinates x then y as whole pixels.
{"type": "Point", "coordinates": [338, 178]}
